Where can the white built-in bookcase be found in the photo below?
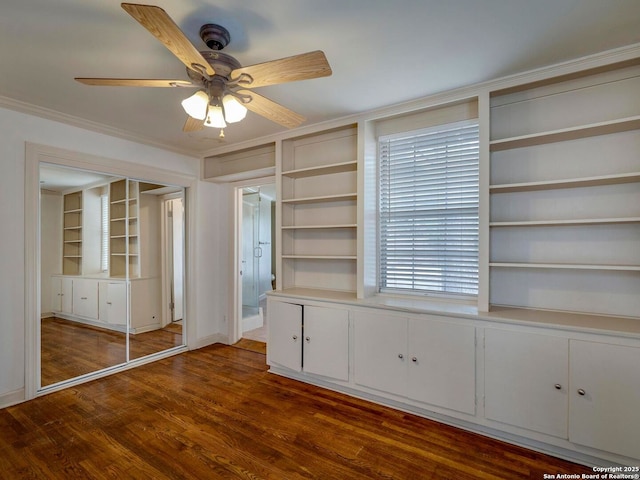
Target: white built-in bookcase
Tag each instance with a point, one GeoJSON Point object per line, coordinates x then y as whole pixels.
{"type": "Point", "coordinates": [318, 211]}
{"type": "Point", "coordinates": [123, 229]}
{"type": "Point", "coordinates": [565, 194]}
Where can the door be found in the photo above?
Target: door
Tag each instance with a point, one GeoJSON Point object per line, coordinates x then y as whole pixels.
{"type": "Point", "coordinates": [113, 302]}
{"type": "Point", "coordinates": [284, 346]}
{"type": "Point", "coordinates": [56, 294]}
{"type": "Point", "coordinates": [326, 342]}
{"type": "Point", "coordinates": [526, 380]}
{"type": "Point", "coordinates": [605, 396]}
{"type": "Point", "coordinates": [250, 250]}
{"type": "Point", "coordinates": [442, 364]}
{"type": "Point", "coordinates": [175, 257]}
{"type": "Point", "coordinates": [380, 344]}
{"type": "Point", "coordinates": [66, 286]}
{"type": "Point", "coordinates": [85, 298]}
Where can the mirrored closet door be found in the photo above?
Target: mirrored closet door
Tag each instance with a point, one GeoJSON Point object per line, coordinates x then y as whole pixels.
{"type": "Point", "coordinates": [111, 271]}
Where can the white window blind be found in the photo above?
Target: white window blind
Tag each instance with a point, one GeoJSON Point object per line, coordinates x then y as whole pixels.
{"type": "Point", "coordinates": [429, 210]}
{"type": "Point", "coordinates": [104, 239]}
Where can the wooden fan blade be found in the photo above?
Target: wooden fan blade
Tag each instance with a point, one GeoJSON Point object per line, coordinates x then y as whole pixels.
{"type": "Point", "coordinates": [193, 125]}
{"type": "Point", "coordinates": [299, 67]}
{"type": "Point", "coordinates": [161, 26]}
{"type": "Point", "coordinates": [271, 110]}
{"type": "Point", "coordinates": [132, 82]}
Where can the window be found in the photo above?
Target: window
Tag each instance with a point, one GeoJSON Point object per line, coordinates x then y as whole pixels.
{"type": "Point", "coordinates": [429, 210]}
{"type": "Point", "coordinates": [104, 238]}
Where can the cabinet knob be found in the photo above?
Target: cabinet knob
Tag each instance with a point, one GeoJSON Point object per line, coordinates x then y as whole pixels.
{"type": "Point", "coordinates": [109, 303]}
{"type": "Point", "coordinates": [295, 337]}
{"type": "Point", "coordinates": [83, 298]}
{"type": "Point", "coordinates": [558, 386]}
{"type": "Point", "coordinates": [400, 356]}
{"type": "Point", "coordinates": [308, 339]}
{"type": "Point", "coordinates": [414, 359]}
{"type": "Point", "coordinates": [581, 392]}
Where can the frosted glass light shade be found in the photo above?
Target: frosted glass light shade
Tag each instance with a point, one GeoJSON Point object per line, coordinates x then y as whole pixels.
{"type": "Point", "coordinates": [215, 118]}
{"type": "Point", "coordinates": [234, 111]}
{"type": "Point", "coordinates": [196, 105]}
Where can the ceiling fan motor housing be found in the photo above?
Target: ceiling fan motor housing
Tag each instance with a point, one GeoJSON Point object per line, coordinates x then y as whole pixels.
{"type": "Point", "coordinates": [215, 36]}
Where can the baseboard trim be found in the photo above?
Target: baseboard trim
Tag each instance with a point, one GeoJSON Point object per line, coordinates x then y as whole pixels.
{"type": "Point", "coordinates": [210, 340]}
{"type": "Point", "coordinates": [12, 398]}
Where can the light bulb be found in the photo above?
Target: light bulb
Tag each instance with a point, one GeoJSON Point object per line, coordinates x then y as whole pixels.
{"type": "Point", "coordinates": [234, 111]}
{"type": "Point", "coordinates": [215, 118]}
{"type": "Point", "coordinates": [196, 105]}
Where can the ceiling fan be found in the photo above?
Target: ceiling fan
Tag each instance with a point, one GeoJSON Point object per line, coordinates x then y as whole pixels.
{"type": "Point", "coordinates": [223, 85]}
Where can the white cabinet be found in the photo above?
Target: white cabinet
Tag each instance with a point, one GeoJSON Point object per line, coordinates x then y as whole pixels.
{"type": "Point", "coordinates": [85, 298]}
{"type": "Point", "coordinates": [380, 350]}
{"type": "Point", "coordinates": [113, 302]}
{"type": "Point", "coordinates": [527, 380]}
{"type": "Point", "coordinates": [424, 359]}
{"type": "Point", "coordinates": [583, 391]}
{"type": "Point", "coordinates": [284, 346]}
{"type": "Point", "coordinates": [309, 339]}
{"type": "Point", "coordinates": [442, 364]}
{"type": "Point", "coordinates": [61, 294]}
{"type": "Point", "coordinates": [326, 342]}
{"type": "Point", "coordinates": [604, 397]}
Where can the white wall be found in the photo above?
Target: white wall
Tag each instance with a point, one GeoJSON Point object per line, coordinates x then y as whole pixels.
{"type": "Point", "coordinates": [211, 243]}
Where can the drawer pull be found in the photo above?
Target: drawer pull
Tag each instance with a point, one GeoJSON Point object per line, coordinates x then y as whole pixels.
{"type": "Point", "coordinates": [83, 298]}
{"type": "Point", "coordinates": [295, 337]}
{"type": "Point", "coordinates": [581, 392]}
{"type": "Point", "coordinates": [558, 386]}
{"type": "Point", "coordinates": [414, 359]}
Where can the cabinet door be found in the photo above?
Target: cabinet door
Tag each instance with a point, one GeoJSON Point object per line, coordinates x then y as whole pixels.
{"type": "Point", "coordinates": [67, 295]}
{"type": "Point", "coordinates": [380, 350]}
{"type": "Point", "coordinates": [85, 298]}
{"type": "Point", "coordinates": [113, 302]}
{"type": "Point", "coordinates": [526, 380]}
{"type": "Point", "coordinates": [442, 364]}
{"type": "Point", "coordinates": [284, 346]}
{"type": "Point", "coordinates": [56, 294]}
{"type": "Point", "coordinates": [605, 397]}
{"type": "Point", "coordinates": [326, 342]}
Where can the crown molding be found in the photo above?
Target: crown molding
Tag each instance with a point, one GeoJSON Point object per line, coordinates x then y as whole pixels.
{"type": "Point", "coordinates": [49, 114]}
{"type": "Point", "coordinates": [447, 97]}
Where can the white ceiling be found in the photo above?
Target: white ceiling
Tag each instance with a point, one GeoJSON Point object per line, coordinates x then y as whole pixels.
{"type": "Point", "coordinates": [381, 53]}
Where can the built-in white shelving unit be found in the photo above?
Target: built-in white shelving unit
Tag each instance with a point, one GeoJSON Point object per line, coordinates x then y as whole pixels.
{"type": "Point", "coordinates": [565, 194]}
{"type": "Point", "coordinates": [123, 232]}
{"type": "Point", "coordinates": [72, 234]}
{"type": "Point", "coordinates": [318, 211]}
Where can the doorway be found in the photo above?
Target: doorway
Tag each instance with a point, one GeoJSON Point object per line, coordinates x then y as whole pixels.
{"type": "Point", "coordinates": [173, 207]}
{"type": "Point", "coordinates": [257, 242]}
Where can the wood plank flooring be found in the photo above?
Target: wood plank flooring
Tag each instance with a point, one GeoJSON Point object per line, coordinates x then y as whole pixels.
{"type": "Point", "coordinates": [217, 413]}
{"type": "Point", "coordinates": [70, 349]}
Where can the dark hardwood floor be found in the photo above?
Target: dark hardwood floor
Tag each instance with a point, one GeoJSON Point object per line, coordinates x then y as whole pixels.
{"type": "Point", "coordinates": [70, 349]}
{"type": "Point", "coordinates": [217, 413]}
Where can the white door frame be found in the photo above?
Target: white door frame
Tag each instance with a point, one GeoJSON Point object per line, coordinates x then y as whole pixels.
{"type": "Point", "coordinates": [235, 325]}
{"type": "Point", "coordinates": [166, 246]}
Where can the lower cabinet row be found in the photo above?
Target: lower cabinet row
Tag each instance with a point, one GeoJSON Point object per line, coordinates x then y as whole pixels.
{"type": "Point", "coordinates": [584, 392]}
{"type": "Point", "coordinates": [95, 300]}
{"type": "Point", "coordinates": [104, 302]}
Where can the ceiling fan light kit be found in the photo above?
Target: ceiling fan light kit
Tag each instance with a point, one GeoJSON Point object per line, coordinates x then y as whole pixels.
{"type": "Point", "coordinates": [223, 94]}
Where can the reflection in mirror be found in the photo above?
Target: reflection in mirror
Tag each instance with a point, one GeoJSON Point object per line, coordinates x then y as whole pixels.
{"type": "Point", "coordinates": [111, 271]}
{"type": "Point", "coordinates": [157, 270]}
